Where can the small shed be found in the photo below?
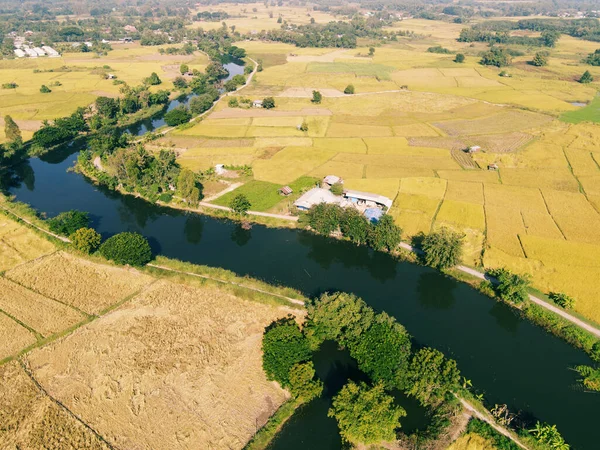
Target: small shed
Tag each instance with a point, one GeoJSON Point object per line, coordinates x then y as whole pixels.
{"type": "Point", "coordinates": [257, 104]}
{"type": "Point", "coordinates": [285, 190]}
{"type": "Point", "coordinates": [220, 169]}
{"type": "Point", "coordinates": [493, 166]}
{"type": "Point", "coordinates": [474, 149]}
{"type": "Point", "coordinates": [110, 76]}
{"type": "Point", "coordinates": [330, 180]}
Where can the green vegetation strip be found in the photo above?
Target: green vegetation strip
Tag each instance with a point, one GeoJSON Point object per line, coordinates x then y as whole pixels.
{"type": "Point", "coordinates": [267, 433]}
{"type": "Point", "coordinates": [589, 113]}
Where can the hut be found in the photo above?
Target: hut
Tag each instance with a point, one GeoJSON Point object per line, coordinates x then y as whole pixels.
{"type": "Point", "coordinates": [330, 180]}
{"type": "Point", "coordinates": [257, 104]}
{"type": "Point", "coordinates": [285, 190]}
{"type": "Point", "coordinates": [474, 149]}
{"type": "Point", "coordinates": [220, 169]}
{"type": "Point", "coordinates": [493, 166]}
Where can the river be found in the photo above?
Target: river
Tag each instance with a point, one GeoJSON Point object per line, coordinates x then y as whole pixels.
{"type": "Point", "coordinates": [507, 358]}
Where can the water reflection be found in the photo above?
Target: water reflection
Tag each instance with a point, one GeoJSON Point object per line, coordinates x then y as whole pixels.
{"type": "Point", "coordinates": [240, 236]}
{"type": "Point", "coordinates": [436, 291]}
{"type": "Point", "coordinates": [193, 228]}
{"type": "Point", "coordinates": [505, 317]}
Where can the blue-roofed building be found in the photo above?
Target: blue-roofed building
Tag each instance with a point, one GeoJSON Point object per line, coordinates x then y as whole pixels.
{"type": "Point", "coordinates": [373, 214]}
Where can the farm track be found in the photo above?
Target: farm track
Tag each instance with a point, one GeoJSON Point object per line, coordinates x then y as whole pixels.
{"type": "Point", "coordinates": [464, 160]}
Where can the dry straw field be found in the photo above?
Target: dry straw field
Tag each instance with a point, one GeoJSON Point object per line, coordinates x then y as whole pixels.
{"type": "Point", "coordinates": [119, 359]}
{"type": "Point", "coordinates": [532, 215]}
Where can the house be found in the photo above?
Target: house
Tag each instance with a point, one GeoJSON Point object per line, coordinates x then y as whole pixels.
{"type": "Point", "coordinates": [19, 53]}
{"type": "Point", "coordinates": [474, 149]}
{"type": "Point", "coordinates": [285, 190]}
{"type": "Point", "coordinates": [110, 76]}
{"type": "Point", "coordinates": [330, 180]}
{"type": "Point", "coordinates": [493, 166]}
{"type": "Point", "coordinates": [39, 51]}
{"type": "Point", "coordinates": [220, 169]}
{"type": "Point", "coordinates": [368, 199]}
{"type": "Point", "coordinates": [314, 197]}
{"type": "Point", "coordinates": [257, 104]}
{"type": "Point", "coordinates": [50, 51]}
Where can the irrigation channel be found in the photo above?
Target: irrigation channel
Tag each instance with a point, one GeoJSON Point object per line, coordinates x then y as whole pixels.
{"type": "Point", "coordinates": [507, 358]}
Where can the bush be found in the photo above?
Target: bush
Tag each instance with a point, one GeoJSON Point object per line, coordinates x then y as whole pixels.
{"type": "Point", "coordinates": [511, 287]}
{"type": "Point", "coordinates": [562, 300]}
{"type": "Point", "coordinates": [499, 57]}
{"type": "Point", "coordinates": [337, 189]}
{"type": "Point", "coordinates": [316, 97]}
{"type": "Point", "coordinates": [268, 103]}
{"type": "Point", "coordinates": [302, 382]}
{"type": "Point", "coordinates": [304, 126]}
{"type": "Point", "coordinates": [595, 353]}
{"type": "Point", "coordinates": [366, 415]}
{"type": "Point", "coordinates": [593, 58]}
{"type": "Point", "coordinates": [180, 83]}
{"type": "Point", "coordinates": [127, 248]}
{"type": "Point", "coordinates": [201, 103]}
{"type": "Point", "coordinates": [240, 204]}
{"type": "Point", "coordinates": [86, 240]}
{"type": "Point", "coordinates": [349, 89]}
{"type": "Point", "coordinates": [586, 77]}
{"type": "Point", "coordinates": [443, 249]}
{"type": "Point", "coordinates": [540, 59]}
{"type": "Point", "coordinates": [153, 79]}
{"type": "Point", "coordinates": [177, 116]}
{"type": "Point", "coordinates": [10, 86]}
{"type": "Point", "coordinates": [69, 222]}
{"type": "Point", "coordinates": [459, 58]}
{"type": "Point", "coordinates": [233, 102]}
{"type": "Point", "coordinates": [45, 89]}
{"type": "Point", "coordinates": [283, 347]}
{"type": "Point", "coordinates": [439, 49]}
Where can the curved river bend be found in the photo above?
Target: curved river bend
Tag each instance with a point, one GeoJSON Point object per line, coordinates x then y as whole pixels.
{"type": "Point", "coordinates": [507, 358]}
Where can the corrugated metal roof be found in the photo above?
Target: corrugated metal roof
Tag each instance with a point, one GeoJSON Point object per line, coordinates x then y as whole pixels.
{"type": "Point", "coordinates": [367, 196]}
{"type": "Point", "coordinates": [316, 196]}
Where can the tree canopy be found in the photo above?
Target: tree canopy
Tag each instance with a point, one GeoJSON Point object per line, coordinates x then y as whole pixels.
{"type": "Point", "coordinates": [127, 248]}
{"type": "Point", "coordinates": [430, 375]}
{"type": "Point", "coordinates": [443, 249]}
{"type": "Point", "coordinates": [67, 223]}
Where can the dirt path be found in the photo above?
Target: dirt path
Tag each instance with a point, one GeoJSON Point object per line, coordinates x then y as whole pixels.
{"type": "Point", "coordinates": [232, 187]}
{"type": "Point", "coordinates": [62, 238]}
{"type": "Point", "coordinates": [252, 213]}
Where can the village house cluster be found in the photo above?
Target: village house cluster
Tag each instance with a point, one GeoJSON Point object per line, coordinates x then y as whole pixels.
{"type": "Point", "coordinates": [24, 48]}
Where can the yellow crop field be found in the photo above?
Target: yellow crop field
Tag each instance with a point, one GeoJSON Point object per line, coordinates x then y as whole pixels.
{"type": "Point", "coordinates": [87, 286]}
{"type": "Point", "coordinates": [161, 346]}
{"type": "Point", "coordinates": [473, 176]}
{"type": "Point", "coordinates": [463, 191]}
{"type": "Point", "coordinates": [19, 244]}
{"type": "Point", "coordinates": [468, 215]}
{"type": "Point", "coordinates": [591, 184]}
{"type": "Point", "coordinates": [400, 146]}
{"type": "Point", "coordinates": [472, 442]}
{"type": "Point", "coordinates": [429, 187]}
{"type": "Point", "coordinates": [43, 315]}
{"type": "Point", "coordinates": [276, 121]}
{"type": "Point", "coordinates": [206, 129]}
{"type": "Point", "coordinates": [272, 131]}
{"type": "Point", "coordinates": [575, 216]}
{"type": "Point", "coordinates": [342, 145]}
{"type": "Point", "coordinates": [502, 122]}
{"type": "Point", "coordinates": [558, 179]}
{"type": "Point", "coordinates": [13, 337]}
{"type": "Point", "coordinates": [418, 129]}
{"type": "Point", "coordinates": [582, 162]}
{"type": "Point", "coordinates": [344, 130]}
{"type": "Point", "coordinates": [383, 186]}
{"type": "Point", "coordinates": [382, 171]}
{"type": "Point", "coordinates": [340, 169]}
{"type": "Point", "coordinates": [522, 199]}
{"type": "Point", "coordinates": [503, 227]}
{"type": "Point", "coordinates": [540, 223]}
{"type": "Point", "coordinates": [559, 251]}
{"type": "Point", "coordinates": [448, 143]}
{"type": "Point", "coordinates": [290, 164]}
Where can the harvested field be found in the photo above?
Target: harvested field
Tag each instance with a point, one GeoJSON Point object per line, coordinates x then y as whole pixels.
{"type": "Point", "coordinates": [176, 367]}
{"type": "Point", "coordinates": [503, 122]}
{"type": "Point", "coordinates": [237, 113]}
{"type": "Point", "coordinates": [19, 244]}
{"type": "Point", "coordinates": [13, 337]}
{"type": "Point", "coordinates": [437, 142]}
{"type": "Point", "coordinates": [300, 92]}
{"type": "Point", "coordinates": [464, 159]}
{"type": "Point", "coordinates": [502, 143]}
{"type": "Point", "coordinates": [77, 282]}
{"type": "Point", "coordinates": [30, 420]}
{"type": "Point", "coordinates": [36, 311]}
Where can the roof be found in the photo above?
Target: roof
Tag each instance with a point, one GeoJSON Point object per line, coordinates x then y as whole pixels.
{"type": "Point", "coordinates": [380, 199]}
{"type": "Point", "coordinates": [286, 190]}
{"type": "Point", "coordinates": [316, 196]}
{"type": "Point", "coordinates": [332, 179]}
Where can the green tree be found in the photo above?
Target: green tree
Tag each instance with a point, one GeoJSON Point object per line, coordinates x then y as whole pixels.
{"type": "Point", "coordinates": [233, 102]}
{"type": "Point", "coordinates": [562, 300]}
{"type": "Point", "coordinates": [283, 347]}
{"type": "Point", "coordinates": [385, 234]}
{"type": "Point", "coordinates": [459, 58]}
{"type": "Point", "coordinates": [303, 384]}
{"type": "Point", "coordinates": [86, 240]}
{"type": "Point", "coordinates": [177, 116]}
{"type": "Point", "coordinates": [187, 186]}
{"type": "Point", "coordinates": [316, 97]}
{"type": "Point", "coordinates": [180, 83]}
{"type": "Point", "coordinates": [366, 415]}
{"type": "Point", "coordinates": [268, 103]}
{"type": "Point", "coordinates": [12, 132]}
{"type": "Point", "coordinates": [349, 89]}
{"type": "Point", "coordinates": [549, 38]}
{"type": "Point", "coordinates": [127, 248]}
{"type": "Point", "coordinates": [337, 188]}
{"type": "Point", "coordinates": [540, 59]}
{"type": "Point", "coordinates": [201, 103]}
{"type": "Point", "coordinates": [184, 68]}
{"type": "Point", "coordinates": [153, 79]}
{"type": "Point", "coordinates": [382, 351]}
{"type": "Point", "coordinates": [429, 376]}
{"type": "Point", "coordinates": [354, 226]}
{"type": "Point", "coordinates": [510, 287]}
{"type": "Point", "coordinates": [594, 58]}
{"type": "Point", "coordinates": [443, 249]}
{"type": "Point", "coordinates": [69, 222]}
{"type": "Point", "coordinates": [496, 56]}
{"type": "Point", "coordinates": [45, 89]}
{"type": "Point", "coordinates": [339, 317]}
{"type": "Point", "coordinates": [304, 126]}
{"type": "Point", "coordinates": [324, 218]}
{"type": "Point", "coordinates": [371, 51]}
{"type": "Point", "coordinates": [107, 107]}
{"type": "Point", "coordinates": [586, 77]}
{"type": "Point", "coordinates": [240, 204]}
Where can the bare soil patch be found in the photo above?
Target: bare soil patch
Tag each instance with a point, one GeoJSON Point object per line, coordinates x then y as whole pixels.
{"type": "Point", "coordinates": [31, 420]}
{"type": "Point", "coordinates": [176, 367]}
{"type": "Point", "coordinates": [88, 286]}
{"type": "Point", "coordinates": [25, 125]}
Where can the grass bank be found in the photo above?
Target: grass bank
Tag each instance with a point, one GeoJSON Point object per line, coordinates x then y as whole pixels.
{"type": "Point", "coordinates": [269, 430]}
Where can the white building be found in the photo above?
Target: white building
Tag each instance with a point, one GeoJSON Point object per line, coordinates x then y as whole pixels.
{"type": "Point", "coordinates": [39, 51]}
{"type": "Point", "coordinates": [30, 52]}
{"type": "Point", "coordinates": [314, 197]}
{"type": "Point", "coordinates": [50, 51]}
{"type": "Point", "coordinates": [19, 53]}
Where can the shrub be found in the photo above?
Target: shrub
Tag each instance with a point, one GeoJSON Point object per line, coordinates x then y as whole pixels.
{"type": "Point", "coordinates": [443, 249]}
{"type": "Point", "coordinates": [439, 49]}
{"type": "Point", "coordinates": [86, 240]}
{"type": "Point", "coordinates": [593, 58]}
{"type": "Point", "coordinates": [177, 116]}
{"type": "Point", "coordinates": [240, 204]}
{"type": "Point", "coordinates": [153, 79]}
{"type": "Point", "coordinates": [540, 59]}
{"type": "Point", "coordinates": [127, 248]}
{"type": "Point", "coordinates": [316, 97]}
{"type": "Point", "coordinates": [595, 353]}
{"type": "Point", "coordinates": [590, 377]}
{"type": "Point", "coordinates": [45, 89]}
{"type": "Point", "coordinates": [562, 300]}
{"type": "Point", "coordinates": [366, 415]}
{"type": "Point", "coordinates": [337, 188]}
{"type": "Point", "coordinates": [268, 103]}
{"type": "Point", "coordinates": [302, 382]}
{"type": "Point", "coordinates": [69, 222]}
{"type": "Point", "coordinates": [201, 103]}
{"type": "Point", "coordinates": [459, 58]}
{"type": "Point", "coordinates": [511, 287]}
{"type": "Point", "coordinates": [586, 77]}
{"type": "Point", "coordinates": [184, 68]}
{"type": "Point", "coordinates": [283, 347]}
{"type": "Point", "coordinates": [496, 56]}
{"type": "Point", "coordinates": [10, 86]}
{"type": "Point", "coordinates": [180, 83]}
{"type": "Point", "coordinates": [349, 89]}
{"type": "Point", "coordinates": [233, 102]}
{"type": "Point", "coordinates": [304, 126]}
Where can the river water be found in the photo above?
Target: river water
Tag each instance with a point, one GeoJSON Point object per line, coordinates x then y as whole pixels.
{"type": "Point", "coordinates": [508, 359]}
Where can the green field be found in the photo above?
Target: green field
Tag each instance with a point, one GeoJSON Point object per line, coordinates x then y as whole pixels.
{"type": "Point", "coordinates": [589, 113]}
